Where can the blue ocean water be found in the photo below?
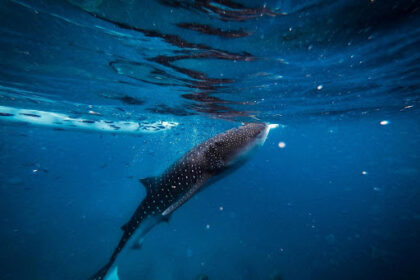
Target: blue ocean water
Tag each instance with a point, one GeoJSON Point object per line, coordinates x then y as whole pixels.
{"type": "Point", "coordinates": [95, 94]}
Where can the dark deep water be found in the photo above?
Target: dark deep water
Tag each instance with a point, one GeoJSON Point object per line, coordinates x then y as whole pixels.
{"type": "Point", "coordinates": [95, 94]}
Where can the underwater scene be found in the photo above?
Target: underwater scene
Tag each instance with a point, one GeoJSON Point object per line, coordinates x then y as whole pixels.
{"type": "Point", "coordinates": [209, 139]}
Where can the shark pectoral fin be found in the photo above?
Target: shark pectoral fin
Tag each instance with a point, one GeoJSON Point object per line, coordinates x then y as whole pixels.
{"type": "Point", "coordinates": [165, 219]}
{"type": "Point", "coordinates": [184, 197]}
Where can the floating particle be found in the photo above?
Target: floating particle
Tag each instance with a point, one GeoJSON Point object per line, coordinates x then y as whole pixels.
{"type": "Point", "coordinates": [35, 171]}
{"type": "Point", "coordinates": [282, 145]}
{"type": "Point", "coordinates": [207, 226]}
{"type": "Point", "coordinates": [384, 122]}
{"type": "Point", "coordinates": [221, 208]}
{"type": "Point", "coordinates": [319, 87]}
{"type": "Point", "coordinates": [364, 172]}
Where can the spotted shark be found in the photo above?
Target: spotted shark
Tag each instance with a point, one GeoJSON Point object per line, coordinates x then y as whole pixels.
{"type": "Point", "coordinates": [198, 168]}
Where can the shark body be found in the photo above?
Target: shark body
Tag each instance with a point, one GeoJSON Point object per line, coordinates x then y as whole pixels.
{"type": "Point", "coordinates": [167, 192]}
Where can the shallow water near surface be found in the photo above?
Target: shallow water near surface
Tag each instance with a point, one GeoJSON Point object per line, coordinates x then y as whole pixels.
{"type": "Point", "coordinates": [97, 94]}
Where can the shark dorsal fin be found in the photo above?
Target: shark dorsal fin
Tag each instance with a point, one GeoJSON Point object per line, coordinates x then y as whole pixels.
{"type": "Point", "coordinates": [148, 183]}
{"type": "Point", "coordinates": [124, 227]}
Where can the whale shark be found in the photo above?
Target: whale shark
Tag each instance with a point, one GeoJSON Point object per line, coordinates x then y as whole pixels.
{"type": "Point", "coordinates": [198, 168]}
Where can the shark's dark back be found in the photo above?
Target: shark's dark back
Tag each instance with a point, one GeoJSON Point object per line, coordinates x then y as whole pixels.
{"type": "Point", "coordinates": [216, 153]}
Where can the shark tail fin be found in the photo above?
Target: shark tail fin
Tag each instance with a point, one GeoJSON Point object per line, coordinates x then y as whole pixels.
{"type": "Point", "coordinates": [112, 274]}
{"type": "Point", "coordinates": [106, 273]}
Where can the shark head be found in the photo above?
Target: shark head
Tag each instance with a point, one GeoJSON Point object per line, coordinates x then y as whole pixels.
{"type": "Point", "coordinates": [233, 146]}
{"type": "Point", "coordinates": [252, 134]}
